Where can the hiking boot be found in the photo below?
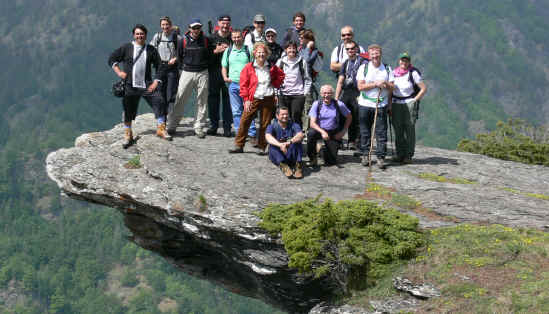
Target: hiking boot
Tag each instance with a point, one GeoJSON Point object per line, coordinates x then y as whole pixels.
{"type": "Point", "coordinates": [407, 160]}
{"type": "Point", "coordinates": [211, 131]}
{"type": "Point", "coordinates": [397, 159]}
{"type": "Point", "coordinates": [286, 170]}
{"type": "Point", "coordinates": [365, 161]}
{"type": "Point", "coordinates": [200, 134]}
{"type": "Point", "coordinates": [381, 163]}
{"type": "Point", "coordinates": [298, 173]}
{"type": "Point", "coordinates": [128, 138]}
{"type": "Point", "coordinates": [227, 133]}
{"type": "Point", "coordinates": [252, 141]}
{"type": "Point", "coordinates": [236, 150]}
{"type": "Point", "coordinates": [352, 146]}
{"type": "Point", "coordinates": [162, 133]}
{"type": "Point", "coordinates": [313, 161]}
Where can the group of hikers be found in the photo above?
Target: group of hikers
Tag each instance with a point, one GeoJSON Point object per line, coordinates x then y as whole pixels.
{"type": "Point", "coordinates": [244, 75]}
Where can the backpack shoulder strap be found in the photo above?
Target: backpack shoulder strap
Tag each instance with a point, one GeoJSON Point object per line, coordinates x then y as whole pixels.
{"type": "Point", "coordinates": [339, 51]}
{"type": "Point", "coordinates": [158, 39]}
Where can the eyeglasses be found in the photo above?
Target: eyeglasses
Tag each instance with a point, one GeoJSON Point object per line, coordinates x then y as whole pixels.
{"type": "Point", "coordinates": [196, 27]}
{"type": "Point", "coordinates": [259, 22]}
{"type": "Point", "coordinates": [347, 35]}
{"type": "Point", "coordinates": [270, 35]}
{"type": "Point", "coordinates": [352, 48]}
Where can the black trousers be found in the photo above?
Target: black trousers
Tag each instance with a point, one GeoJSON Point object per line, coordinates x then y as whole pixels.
{"type": "Point", "coordinates": [366, 117]}
{"type": "Point", "coordinates": [295, 104]}
{"type": "Point", "coordinates": [170, 81]}
{"type": "Point", "coordinates": [130, 103]}
{"type": "Point", "coordinates": [332, 145]}
{"type": "Point", "coordinates": [218, 91]}
{"type": "Point", "coordinates": [348, 97]}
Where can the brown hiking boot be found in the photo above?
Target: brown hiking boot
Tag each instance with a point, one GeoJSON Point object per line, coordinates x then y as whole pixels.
{"type": "Point", "coordinates": [298, 173]}
{"type": "Point", "coordinates": [253, 141]}
{"type": "Point", "coordinates": [128, 138]}
{"type": "Point", "coordinates": [286, 170]}
{"type": "Point", "coordinates": [162, 132]}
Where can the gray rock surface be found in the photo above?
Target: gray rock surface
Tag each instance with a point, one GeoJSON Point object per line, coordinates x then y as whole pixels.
{"type": "Point", "coordinates": [194, 204]}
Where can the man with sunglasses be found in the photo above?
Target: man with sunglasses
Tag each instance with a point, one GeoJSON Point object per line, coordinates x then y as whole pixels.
{"type": "Point", "coordinates": [194, 55]}
{"type": "Point", "coordinates": [347, 90]}
{"type": "Point", "coordinates": [258, 34]}
{"type": "Point", "coordinates": [339, 54]}
{"type": "Point", "coordinates": [219, 41]}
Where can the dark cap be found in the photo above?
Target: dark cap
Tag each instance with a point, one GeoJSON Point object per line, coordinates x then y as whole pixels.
{"type": "Point", "coordinates": [224, 17]}
{"type": "Point", "coordinates": [195, 22]}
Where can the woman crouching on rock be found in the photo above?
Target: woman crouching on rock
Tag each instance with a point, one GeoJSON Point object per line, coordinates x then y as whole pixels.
{"type": "Point", "coordinates": [258, 81]}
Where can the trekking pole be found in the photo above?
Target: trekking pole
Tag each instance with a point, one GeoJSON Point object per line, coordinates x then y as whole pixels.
{"type": "Point", "coordinates": [373, 132]}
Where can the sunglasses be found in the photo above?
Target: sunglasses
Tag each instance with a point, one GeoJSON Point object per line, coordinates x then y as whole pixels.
{"type": "Point", "coordinates": [347, 35]}
{"type": "Point", "coordinates": [352, 48]}
{"type": "Point", "coordinates": [270, 35]}
{"type": "Point", "coordinates": [259, 22]}
{"type": "Point", "coordinates": [196, 27]}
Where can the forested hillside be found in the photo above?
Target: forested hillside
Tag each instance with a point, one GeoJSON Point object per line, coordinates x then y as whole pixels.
{"type": "Point", "coordinates": [483, 61]}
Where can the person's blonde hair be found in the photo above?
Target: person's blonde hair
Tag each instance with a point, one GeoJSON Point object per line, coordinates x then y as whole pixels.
{"type": "Point", "coordinates": [375, 47]}
{"type": "Point", "coordinates": [265, 47]}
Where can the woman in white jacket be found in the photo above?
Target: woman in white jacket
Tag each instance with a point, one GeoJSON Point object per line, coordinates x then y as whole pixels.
{"type": "Point", "coordinates": [297, 82]}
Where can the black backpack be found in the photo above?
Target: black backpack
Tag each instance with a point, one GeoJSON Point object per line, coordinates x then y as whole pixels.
{"type": "Point", "coordinates": [159, 39]}
{"type": "Point", "coordinates": [248, 30]}
{"type": "Point", "coordinates": [339, 116]}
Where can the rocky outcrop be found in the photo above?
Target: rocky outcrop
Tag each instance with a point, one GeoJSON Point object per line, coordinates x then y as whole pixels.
{"type": "Point", "coordinates": [194, 204]}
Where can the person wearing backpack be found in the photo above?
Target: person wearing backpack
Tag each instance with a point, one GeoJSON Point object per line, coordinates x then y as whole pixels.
{"type": "Point", "coordinates": [219, 41]}
{"type": "Point", "coordinates": [258, 32]}
{"type": "Point", "coordinates": [409, 89]}
{"type": "Point", "coordinates": [136, 59]}
{"type": "Point", "coordinates": [233, 61]}
{"type": "Point", "coordinates": [375, 83]}
{"type": "Point", "coordinates": [292, 34]}
{"type": "Point", "coordinates": [194, 56]}
{"type": "Point", "coordinates": [285, 150]}
{"type": "Point", "coordinates": [330, 120]}
{"type": "Point", "coordinates": [276, 49]}
{"type": "Point", "coordinates": [166, 44]}
{"type": "Point", "coordinates": [258, 81]}
{"type": "Point", "coordinates": [347, 91]}
{"type": "Point", "coordinates": [339, 55]}
{"type": "Point", "coordinates": [297, 82]}
{"type": "Point", "coordinates": [314, 58]}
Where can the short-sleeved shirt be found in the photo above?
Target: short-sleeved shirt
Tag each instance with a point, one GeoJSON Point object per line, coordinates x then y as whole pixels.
{"type": "Point", "coordinates": [235, 62]}
{"type": "Point", "coordinates": [349, 71]}
{"type": "Point", "coordinates": [342, 56]}
{"type": "Point", "coordinates": [368, 98]}
{"type": "Point", "coordinates": [290, 131]}
{"type": "Point", "coordinates": [257, 37]}
{"type": "Point", "coordinates": [328, 119]}
{"type": "Point", "coordinates": [403, 86]}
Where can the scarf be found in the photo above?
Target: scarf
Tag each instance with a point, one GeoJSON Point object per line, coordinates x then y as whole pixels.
{"type": "Point", "coordinates": [398, 72]}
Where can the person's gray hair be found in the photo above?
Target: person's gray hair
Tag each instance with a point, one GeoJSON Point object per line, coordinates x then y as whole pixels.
{"type": "Point", "coordinates": [327, 86]}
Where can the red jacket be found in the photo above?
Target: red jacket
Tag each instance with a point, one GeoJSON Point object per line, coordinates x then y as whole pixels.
{"type": "Point", "coordinates": [248, 80]}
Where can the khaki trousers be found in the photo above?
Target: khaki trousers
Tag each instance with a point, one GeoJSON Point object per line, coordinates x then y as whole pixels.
{"type": "Point", "coordinates": [188, 82]}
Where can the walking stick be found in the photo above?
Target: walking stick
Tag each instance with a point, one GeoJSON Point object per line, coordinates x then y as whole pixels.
{"type": "Point", "coordinates": [373, 133]}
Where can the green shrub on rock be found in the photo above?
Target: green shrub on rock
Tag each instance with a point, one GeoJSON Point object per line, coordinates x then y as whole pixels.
{"type": "Point", "coordinates": [348, 240]}
{"type": "Point", "coordinates": [514, 140]}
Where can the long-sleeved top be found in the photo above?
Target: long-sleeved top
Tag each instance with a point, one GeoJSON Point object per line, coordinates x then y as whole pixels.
{"type": "Point", "coordinates": [292, 34]}
{"type": "Point", "coordinates": [297, 77]}
{"type": "Point", "coordinates": [249, 80]}
{"type": "Point", "coordinates": [125, 56]}
{"type": "Point", "coordinates": [276, 52]}
{"type": "Point", "coordinates": [194, 56]}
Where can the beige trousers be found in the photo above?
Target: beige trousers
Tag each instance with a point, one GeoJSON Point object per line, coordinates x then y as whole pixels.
{"type": "Point", "coordinates": [188, 82]}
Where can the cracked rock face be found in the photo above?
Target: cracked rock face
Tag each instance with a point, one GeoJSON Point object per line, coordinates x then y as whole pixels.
{"type": "Point", "coordinates": [194, 204]}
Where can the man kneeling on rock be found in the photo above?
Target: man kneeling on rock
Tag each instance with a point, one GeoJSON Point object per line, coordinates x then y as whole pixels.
{"type": "Point", "coordinates": [284, 137]}
{"type": "Point", "coordinates": [330, 120]}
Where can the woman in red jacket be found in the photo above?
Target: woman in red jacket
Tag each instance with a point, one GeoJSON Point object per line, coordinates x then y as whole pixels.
{"type": "Point", "coordinates": [258, 81]}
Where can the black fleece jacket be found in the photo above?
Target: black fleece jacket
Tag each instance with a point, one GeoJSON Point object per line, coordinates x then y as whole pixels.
{"type": "Point", "coordinates": [124, 56]}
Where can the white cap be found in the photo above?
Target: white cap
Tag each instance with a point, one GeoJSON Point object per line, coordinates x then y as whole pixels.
{"type": "Point", "coordinates": [271, 30]}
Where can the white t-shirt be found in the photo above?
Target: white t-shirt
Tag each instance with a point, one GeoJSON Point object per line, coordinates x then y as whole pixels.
{"type": "Point", "coordinates": [342, 54]}
{"type": "Point", "coordinates": [403, 86]}
{"type": "Point", "coordinates": [374, 74]}
{"type": "Point", "coordinates": [257, 36]}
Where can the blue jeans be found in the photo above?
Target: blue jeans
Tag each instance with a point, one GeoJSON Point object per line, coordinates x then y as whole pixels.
{"type": "Point", "coordinates": [366, 121]}
{"type": "Point", "coordinates": [237, 106]}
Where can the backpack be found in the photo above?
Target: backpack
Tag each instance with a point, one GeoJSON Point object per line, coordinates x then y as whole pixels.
{"type": "Point", "coordinates": [414, 93]}
{"type": "Point", "coordinates": [361, 60]}
{"type": "Point", "coordinates": [339, 48]}
{"type": "Point", "coordinates": [250, 59]}
{"type": "Point", "coordinates": [159, 39]}
{"type": "Point", "coordinates": [340, 121]}
{"type": "Point", "coordinates": [248, 30]}
{"type": "Point", "coordinates": [187, 35]}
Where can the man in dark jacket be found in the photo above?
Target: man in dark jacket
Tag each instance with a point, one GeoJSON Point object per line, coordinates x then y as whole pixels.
{"type": "Point", "coordinates": [194, 56]}
{"type": "Point", "coordinates": [136, 58]}
{"type": "Point", "coordinates": [219, 41]}
{"type": "Point", "coordinates": [293, 32]}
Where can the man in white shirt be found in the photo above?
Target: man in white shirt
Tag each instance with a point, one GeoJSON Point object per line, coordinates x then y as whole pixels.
{"type": "Point", "coordinates": [258, 34]}
{"type": "Point", "coordinates": [339, 54]}
{"type": "Point", "coordinates": [375, 83]}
